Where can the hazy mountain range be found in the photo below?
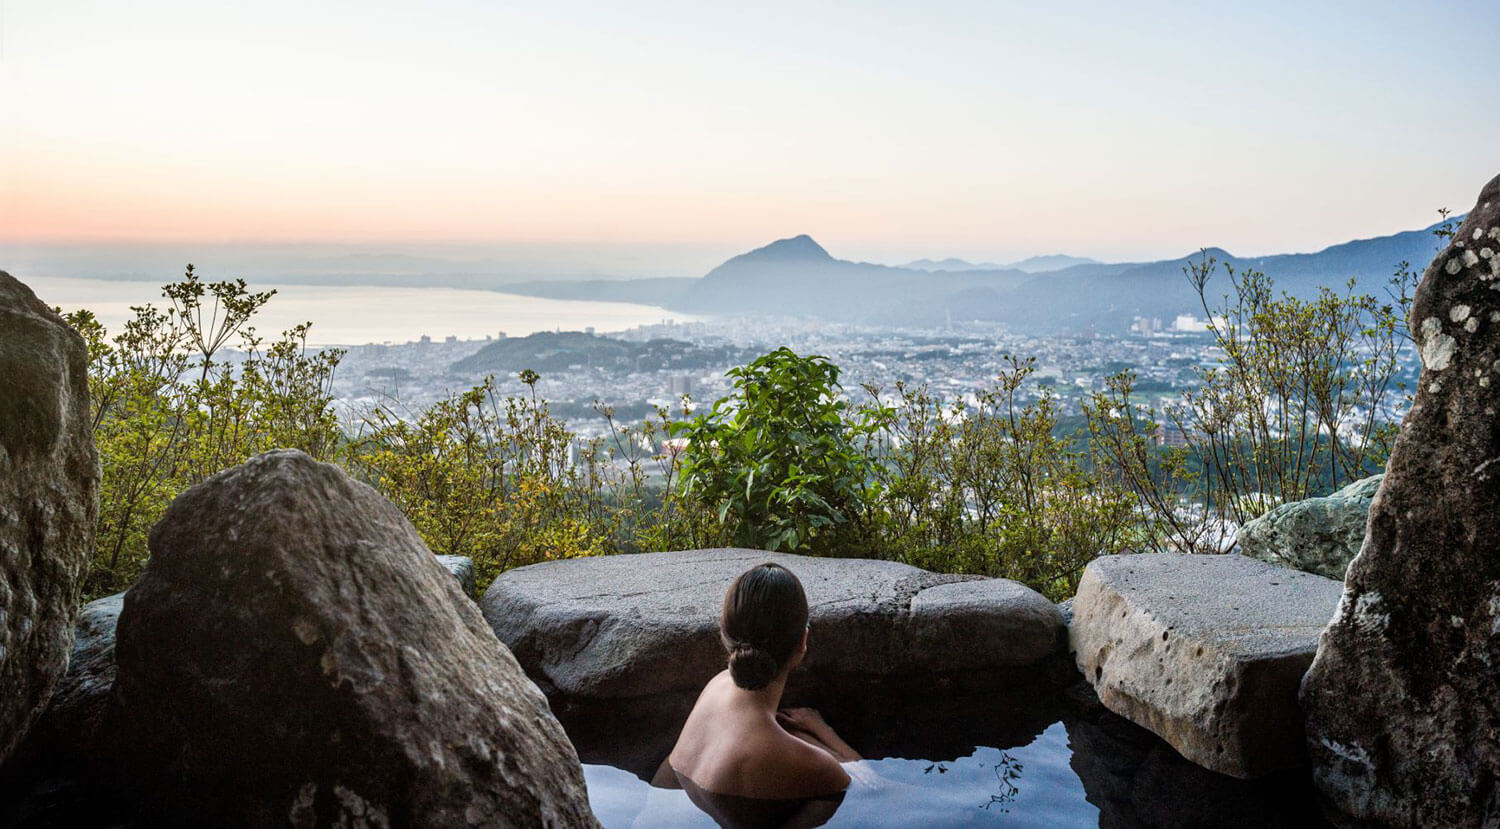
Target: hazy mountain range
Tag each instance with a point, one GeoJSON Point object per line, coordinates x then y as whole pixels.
{"type": "Point", "coordinates": [1032, 264]}
{"type": "Point", "coordinates": [797, 276]}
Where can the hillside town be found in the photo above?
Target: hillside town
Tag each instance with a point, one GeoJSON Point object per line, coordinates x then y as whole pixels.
{"type": "Point", "coordinates": [952, 363]}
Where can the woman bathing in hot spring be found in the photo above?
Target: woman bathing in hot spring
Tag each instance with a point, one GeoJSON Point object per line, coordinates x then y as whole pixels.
{"type": "Point", "coordinates": [740, 758]}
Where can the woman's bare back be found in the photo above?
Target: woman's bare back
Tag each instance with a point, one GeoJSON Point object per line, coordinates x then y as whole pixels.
{"type": "Point", "coordinates": [731, 746]}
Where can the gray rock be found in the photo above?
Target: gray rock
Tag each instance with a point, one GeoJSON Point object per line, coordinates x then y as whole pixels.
{"type": "Point", "coordinates": [634, 626]}
{"type": "Point", "coordinates": [68, 729]}
{"type": "Point", "coordinates": [293, 654]}
{"type": "Point", "coordinates": [462, 568]}
{"type": "Point", "coordinates": [1318, 535]}
{"type": "Point", "coordinates": [1403, 714]}
{"type": "Point", "coordinates": [1205, 651]}
{"type": "Point", "coordinates": [71, 723]}
{"type": "Point", "coordinates": [49, 501]}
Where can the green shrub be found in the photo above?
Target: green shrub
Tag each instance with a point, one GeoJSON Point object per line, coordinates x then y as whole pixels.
{"type": "Point", "coordinates": [170, 408]}
{"type": "Point", "coordinates": [780, 462]}
{"type": "Point", "coordinates": [994, 486]}
{"type": "Point", "coordinates": [1299, 403]}
{"type": "Point", "coordinates": [484, 477]}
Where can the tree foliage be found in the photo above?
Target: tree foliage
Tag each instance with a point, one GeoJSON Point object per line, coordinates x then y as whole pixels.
{"type": "Point", "coordinates": [1300, 401]}
{"type": "Point", "coordinates": [780, 461]}
{"type": "Point", "coordinates": [991, 485]}
{"type": "Point", "coordinates": [172, 405]}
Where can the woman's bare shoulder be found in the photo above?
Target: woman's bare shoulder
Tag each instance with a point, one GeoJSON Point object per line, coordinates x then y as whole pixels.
{"type": "Point", "coordinates": [809, 771]}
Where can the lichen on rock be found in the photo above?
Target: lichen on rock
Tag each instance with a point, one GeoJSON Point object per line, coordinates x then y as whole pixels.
{"type": "Point", "coordinates": [1403, 716]}
{"type": "Point", "coordinates": [1315, 535]}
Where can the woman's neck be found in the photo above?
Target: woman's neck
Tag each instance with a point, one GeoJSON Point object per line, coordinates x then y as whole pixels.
{"type": "Point", "coordinates": [767, 698]}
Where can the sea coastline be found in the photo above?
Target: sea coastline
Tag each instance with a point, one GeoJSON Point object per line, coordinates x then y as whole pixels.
{"type": "Point", "coordinates": [345, 315]}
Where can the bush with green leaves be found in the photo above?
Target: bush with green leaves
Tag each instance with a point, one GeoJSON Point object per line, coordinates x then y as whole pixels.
{"type": "Point", "coordinates": [1301, 400]}
{"type": "Point", "coordinates": [497, 479]}
{"type": "Point", "coordinates": [985, 486]}
{"type": "Point", "coordinates": [172, 405]}
{"type": "Point", "coordinates": [781, 462]}
{"type": "Point", "coordinates": [993, 485]}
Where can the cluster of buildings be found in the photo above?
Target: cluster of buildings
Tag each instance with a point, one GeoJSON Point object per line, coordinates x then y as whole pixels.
{"type": "Point", "coordinates": [953, 362]}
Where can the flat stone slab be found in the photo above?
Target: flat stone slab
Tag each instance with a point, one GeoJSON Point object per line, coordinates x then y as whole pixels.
{"type": "Point", "coordinates": [1207, 651]}
{"type": "Point", "coordinates": [633, 626]}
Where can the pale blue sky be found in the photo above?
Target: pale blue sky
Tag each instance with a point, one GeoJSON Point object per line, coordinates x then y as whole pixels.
{"type": "Point", "coordinates": [886, 130]}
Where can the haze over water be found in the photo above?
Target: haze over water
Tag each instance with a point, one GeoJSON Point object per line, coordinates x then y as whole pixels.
{"type": "Point", "coordinates": [355, 315]}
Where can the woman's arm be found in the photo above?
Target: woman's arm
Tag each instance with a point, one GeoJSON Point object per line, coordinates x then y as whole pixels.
{"type": "Point", "coordinates": [808, 725]}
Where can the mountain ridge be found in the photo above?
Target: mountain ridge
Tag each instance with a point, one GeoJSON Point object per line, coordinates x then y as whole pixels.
{"type": "Point", "coordinates": [1081, 297]}
{"type": "Point", "coordinates": [796, 276]}
{"type": "Point", "coordinates": [1031, 264]}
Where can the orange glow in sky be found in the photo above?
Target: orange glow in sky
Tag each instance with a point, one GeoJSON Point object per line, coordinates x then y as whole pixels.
{"type": "Point", "coordinates": [952, 128]}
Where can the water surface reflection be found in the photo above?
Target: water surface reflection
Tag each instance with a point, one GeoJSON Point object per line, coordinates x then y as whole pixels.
{"type": "Point", "coordinates": [979, 761]}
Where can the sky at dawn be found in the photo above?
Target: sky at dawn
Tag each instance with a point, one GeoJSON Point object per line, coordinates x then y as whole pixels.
{"type": "Point", "coordinates": [988, 130]}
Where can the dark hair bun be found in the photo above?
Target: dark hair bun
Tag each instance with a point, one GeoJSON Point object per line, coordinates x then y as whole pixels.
{"type": "Point", "coordinates": [750, 667]}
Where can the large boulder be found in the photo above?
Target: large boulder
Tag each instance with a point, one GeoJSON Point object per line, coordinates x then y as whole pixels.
{"type": "Point", "coordinates": [1204, 650]}
{"type": "Point", "coordinates": [70, 724]}
{"type": "Point", "coordinates": [1317, 535]}
{"type": "Point", "coordinates": [647, 624]}
{"type": "Point", "coordinates": [49, 500]}
{"type": "Point", "coordinates": [1403, 714]}
{"type": "Point", "coordinates": [623, 644]}
{"type": "Point", "coordinates": [294, 655]}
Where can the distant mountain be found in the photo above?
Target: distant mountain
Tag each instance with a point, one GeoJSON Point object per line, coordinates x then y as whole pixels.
{"type": "Point", "coordinates": [1051, 262]}
{"type": "Point", "coordinates": [797, 276]}
{"type": "Point", "coordinates": [1033, 264]}
{"type": "Point", "coordinates": [1080, 297]}
{"type": "Point", "coordinates": [949, 264]}
{"type": "Point", "coordinates": [796, 250]}
{"type": "Point", "coordinates": [1108, 297]}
